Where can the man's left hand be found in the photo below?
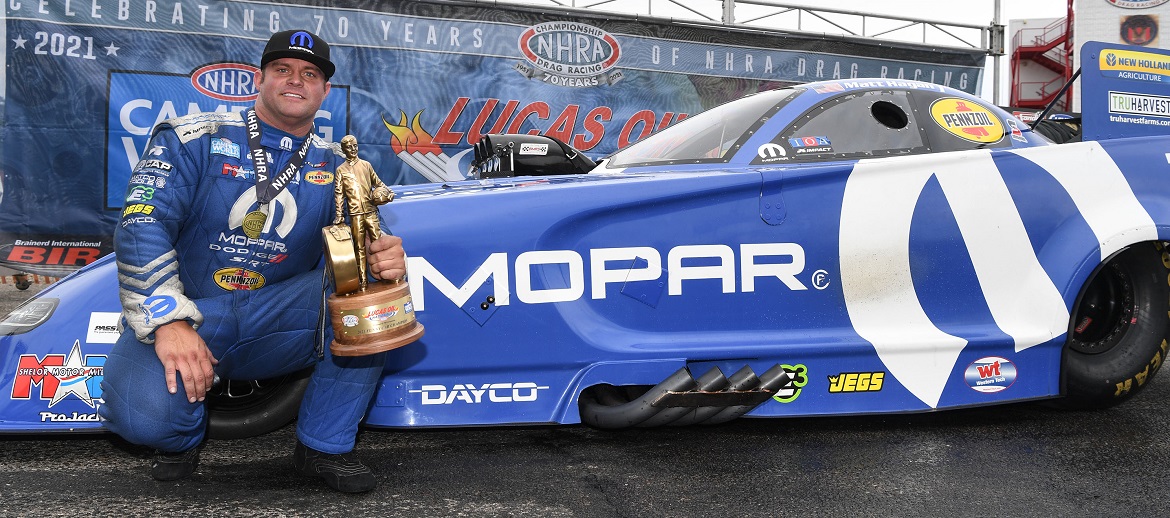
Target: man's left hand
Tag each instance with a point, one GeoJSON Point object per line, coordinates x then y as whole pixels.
{"type": "Point", "coordinates": [386, 257]}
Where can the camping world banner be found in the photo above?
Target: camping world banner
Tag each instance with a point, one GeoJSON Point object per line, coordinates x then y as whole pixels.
{"type": "Point", "coordinates": [417, 83]}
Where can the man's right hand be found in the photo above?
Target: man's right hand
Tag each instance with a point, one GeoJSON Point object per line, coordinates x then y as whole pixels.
{"type": "Point", "coordinates": [182, 350]}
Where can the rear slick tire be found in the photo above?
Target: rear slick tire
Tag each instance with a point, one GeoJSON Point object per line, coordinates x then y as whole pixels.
{"type": "Point", "coordinates": [1117, 337]}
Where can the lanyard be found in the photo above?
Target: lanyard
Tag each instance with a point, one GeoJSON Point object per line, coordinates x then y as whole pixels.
{"type": "Point", "coordinates": [267, 186]}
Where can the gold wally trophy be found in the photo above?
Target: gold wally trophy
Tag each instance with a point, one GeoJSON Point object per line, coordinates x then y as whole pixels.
{"type": "Point", "coordinates": [367, 318]}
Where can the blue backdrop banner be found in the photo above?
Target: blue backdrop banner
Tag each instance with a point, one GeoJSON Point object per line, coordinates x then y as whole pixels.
{"type": "Point", "coordinates": [417, 83]}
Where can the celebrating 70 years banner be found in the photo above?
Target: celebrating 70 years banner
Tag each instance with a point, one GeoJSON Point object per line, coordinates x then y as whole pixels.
{"type": "Point", "coordinates": [417, 83]}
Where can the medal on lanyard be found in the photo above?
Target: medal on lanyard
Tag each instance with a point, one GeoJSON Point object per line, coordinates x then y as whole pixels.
{"type": "Point", "coordinates": [267, 186]}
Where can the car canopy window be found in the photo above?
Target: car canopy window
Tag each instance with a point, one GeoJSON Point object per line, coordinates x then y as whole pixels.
{"type": "Point", "coordinates": [711, 136]}
{"type": "Point", "coordinates": [854, 125]}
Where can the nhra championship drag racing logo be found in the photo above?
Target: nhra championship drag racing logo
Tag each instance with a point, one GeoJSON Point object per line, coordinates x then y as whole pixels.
{"type": "Point", "coordinates": [58, 376]}
{"type": "Point", "coordinates": [226, 81]}
{"type": "Point", "coordinates": [569, 54]}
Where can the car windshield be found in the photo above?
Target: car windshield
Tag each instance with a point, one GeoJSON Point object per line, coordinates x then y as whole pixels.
{"type": "Point", "coordinates": [707, 136]}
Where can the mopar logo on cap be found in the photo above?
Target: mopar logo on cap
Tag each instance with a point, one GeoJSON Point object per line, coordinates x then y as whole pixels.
{"type": "Point", "coordinates": [226, 81]}
{"type": "Point", "coordinates": [569, 54]}
{"type": "Point", "coordinates": [301, 39]}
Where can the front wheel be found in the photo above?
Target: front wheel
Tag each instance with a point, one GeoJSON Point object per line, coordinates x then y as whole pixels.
{"type": "Point", "coordinates": [247, 408]}
{"type": "Point", "coordinates": [1117, 339]}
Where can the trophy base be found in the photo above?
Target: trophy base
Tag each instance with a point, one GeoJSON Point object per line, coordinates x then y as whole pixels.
{"type": "Point", "coordinates": [372, 321]}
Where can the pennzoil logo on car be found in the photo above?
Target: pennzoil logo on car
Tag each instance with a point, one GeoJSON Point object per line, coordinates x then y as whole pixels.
{"type": "Point", "coordinates": [319, 177]}
{"type": "Point", "coordinates": [967, 120]}
{"type": "Point", "coordinates": [238, 279]}
{"type": "Point", "coordinates": [226, 81]}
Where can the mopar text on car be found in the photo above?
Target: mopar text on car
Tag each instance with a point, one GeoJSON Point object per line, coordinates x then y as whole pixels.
{"type": "Point", "coordinates": [849, 247]}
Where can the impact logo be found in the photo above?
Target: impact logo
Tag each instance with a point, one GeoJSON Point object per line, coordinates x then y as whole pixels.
{"type": "Point", "coordinates": [226, 81]}
{"type": "Point", "coordinates": [569, 54]}
{"type": "Point", "coordinates": [472, 394]}
{"type": "Point", "coordinates": [59, 376]}
{"type": "Point", "coordinates": [797, 378]}
{"type": "Point", "coordinates": [967, 120]}
{"type": "Point", "coordinates": [990, 374]}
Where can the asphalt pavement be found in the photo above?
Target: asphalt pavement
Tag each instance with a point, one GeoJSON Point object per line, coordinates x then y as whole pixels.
{"type": "Point", "coordinates": [1016, 460]}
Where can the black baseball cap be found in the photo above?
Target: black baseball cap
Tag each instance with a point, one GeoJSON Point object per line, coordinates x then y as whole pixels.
{"type": "Point", "coordinates": [299, 45]}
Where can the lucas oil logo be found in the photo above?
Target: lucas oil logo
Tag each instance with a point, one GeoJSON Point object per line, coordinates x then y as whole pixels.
{"type": "Point", "coordinates": [569, 54]}
{"type": "Point", "coordinates": [967, 120]}
{"type": "Point", "coordinates": [226, 81]}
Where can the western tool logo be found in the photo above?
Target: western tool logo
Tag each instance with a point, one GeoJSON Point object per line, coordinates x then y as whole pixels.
{"type": "Point", "coordinates": [58, 376]}
{"type": "Point", "coordinates": [226, 81]}
{"type": "Point", "coordinates": [569, 54]}
{"type": "Point", "coordinates": [967, 120]}
{"type": "Point", "coordinates": [238, 279]}
{"type": "Point", "coordinates": [990, 374]}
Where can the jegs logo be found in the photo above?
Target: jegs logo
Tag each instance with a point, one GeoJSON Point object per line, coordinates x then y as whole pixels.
{"type": "Point", "coordinates": [569, 54]}
{"type": "Point", "coordinates": [226, 81]}
{"type": "Point", "coordinates": [59, 376]}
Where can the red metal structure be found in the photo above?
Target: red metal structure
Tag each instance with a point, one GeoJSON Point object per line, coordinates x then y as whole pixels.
{"type": "Point", "coordinates": [1050, 47]}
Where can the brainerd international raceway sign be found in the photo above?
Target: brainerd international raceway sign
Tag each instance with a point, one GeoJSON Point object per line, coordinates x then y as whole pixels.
{"type": "Point", "coordinates": [417, 83]}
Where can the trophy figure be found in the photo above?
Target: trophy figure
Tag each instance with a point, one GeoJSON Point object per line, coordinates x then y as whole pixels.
{"type": "Point", "coordinates": [367, 317]}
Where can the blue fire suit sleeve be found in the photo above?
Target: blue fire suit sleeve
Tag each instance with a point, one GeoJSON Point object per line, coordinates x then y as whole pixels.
{"type": "Point", "coordinates": [158, 203]}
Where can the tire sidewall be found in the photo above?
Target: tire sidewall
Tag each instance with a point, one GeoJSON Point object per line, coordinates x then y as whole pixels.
{"type": "Point", "coordinates": [1110, 377]}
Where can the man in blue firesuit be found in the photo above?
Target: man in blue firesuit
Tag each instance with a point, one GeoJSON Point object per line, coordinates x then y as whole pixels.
{"type": "Point", "coordinates": [220, 272]}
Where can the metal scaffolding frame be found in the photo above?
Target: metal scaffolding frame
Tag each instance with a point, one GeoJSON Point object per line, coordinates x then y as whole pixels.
{"type": "Point", "coordinates": [778, 16]}
{"type": "Point", "coordinates": [767, 14]}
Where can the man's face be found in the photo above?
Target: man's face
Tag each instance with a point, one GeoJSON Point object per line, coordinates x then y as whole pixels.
{"type": "Point", "coordinates": [350, 148]}
{"type": "Point", "coordinates": [290, 93]}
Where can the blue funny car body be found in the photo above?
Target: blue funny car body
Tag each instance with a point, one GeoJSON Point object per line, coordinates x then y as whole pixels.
{"type": "Point", "coordinates": [848, 247]}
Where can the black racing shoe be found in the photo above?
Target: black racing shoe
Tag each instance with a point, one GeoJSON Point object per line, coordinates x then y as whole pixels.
{"type": "Point", "coordinates": [174, 466]}
{"type": "Point", "coordinates": [342, 472]}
